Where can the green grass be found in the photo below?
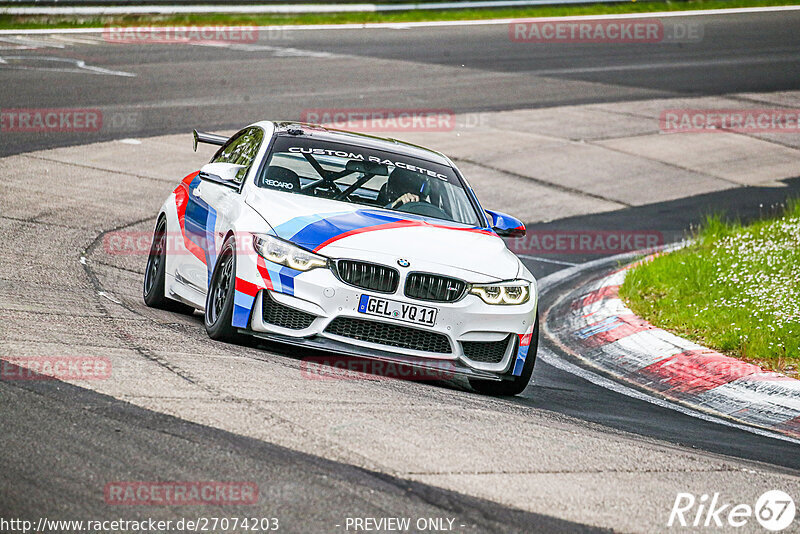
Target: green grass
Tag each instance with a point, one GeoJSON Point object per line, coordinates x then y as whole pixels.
{"type": "Point", "coordinates": [736, 289]}
{"type": "Point", "coordinates": [53, 21]}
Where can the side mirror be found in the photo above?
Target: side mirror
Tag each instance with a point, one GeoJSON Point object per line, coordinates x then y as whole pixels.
{"type": "Point", "coordinates": [506, 225]}
{"type": "Point", "coordinates": [222, 173]}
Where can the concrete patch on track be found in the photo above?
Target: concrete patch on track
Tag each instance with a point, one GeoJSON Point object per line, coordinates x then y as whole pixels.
{"type": "Point", "coordinates": [58, 204]}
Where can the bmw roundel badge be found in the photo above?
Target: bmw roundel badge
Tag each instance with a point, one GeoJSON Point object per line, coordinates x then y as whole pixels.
{"type": "Point", "coordinates": [403, 263]}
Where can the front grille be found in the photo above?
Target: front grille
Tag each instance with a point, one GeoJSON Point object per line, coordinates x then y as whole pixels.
{"type": "Point", "coordinates": [424, 286]}
{"type": "Point", "coordinates": [284, 316]}
{"type": "Point", "coordinates": [389, 334]}
{"type": "Point", "coordinates": [368, 275]}
{"type": "Point", "coordinates": [485, 351]}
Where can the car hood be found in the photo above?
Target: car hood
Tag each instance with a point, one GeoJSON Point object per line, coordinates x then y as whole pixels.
{"type": "Point", "coordinates": [343, 230]}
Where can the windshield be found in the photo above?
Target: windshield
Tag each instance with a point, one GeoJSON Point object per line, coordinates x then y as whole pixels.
{"type": "Point", "coordinates": [369, 177]}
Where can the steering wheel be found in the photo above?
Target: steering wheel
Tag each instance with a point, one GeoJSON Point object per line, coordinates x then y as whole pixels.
{"type": "Point", "coordinates": [424, 208]}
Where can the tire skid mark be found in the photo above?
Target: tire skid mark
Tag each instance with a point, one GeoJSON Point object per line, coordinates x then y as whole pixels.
{"type": "Point", "coordinates": [122, 333]}
{"type": "Point", "coordinates": [219, 395]}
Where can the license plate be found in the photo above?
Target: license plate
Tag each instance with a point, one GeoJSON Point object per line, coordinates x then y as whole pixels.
{"type": "Point", "coordinates": [410, 313]}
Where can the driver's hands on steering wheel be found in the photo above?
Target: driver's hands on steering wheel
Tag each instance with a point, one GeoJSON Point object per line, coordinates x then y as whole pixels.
{"type": "Point", "coordinates": [405, 199]}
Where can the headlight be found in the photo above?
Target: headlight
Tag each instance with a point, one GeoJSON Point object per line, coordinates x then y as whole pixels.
{"type": "Point", "coordinates": [284, 253]}
{"type": "Point", "coordinates": [514, 292]}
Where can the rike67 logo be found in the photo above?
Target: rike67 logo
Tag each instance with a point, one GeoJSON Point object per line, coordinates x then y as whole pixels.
{"type": "Point", "coordinates": [774, 510]}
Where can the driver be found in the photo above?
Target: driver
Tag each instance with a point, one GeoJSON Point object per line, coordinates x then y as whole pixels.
{"type": "Point", "coordinates": [404, 187]}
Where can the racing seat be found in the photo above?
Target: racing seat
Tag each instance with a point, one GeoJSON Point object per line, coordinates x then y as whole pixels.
{"type": "Point", "coordinates": [280, 179]}
{"type": "Point", "coordinates": [383, 196]}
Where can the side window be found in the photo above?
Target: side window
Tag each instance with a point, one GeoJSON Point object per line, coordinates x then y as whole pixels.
{"type": "Point", "coordinates": [241, 149]}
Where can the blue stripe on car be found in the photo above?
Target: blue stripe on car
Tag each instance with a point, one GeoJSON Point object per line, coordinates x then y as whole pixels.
{"type": "Point", "coordinates": [522, 353]}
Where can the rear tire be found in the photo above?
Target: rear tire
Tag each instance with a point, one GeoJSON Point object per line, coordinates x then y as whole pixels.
{"type": "Point", "coordinates": [220, 296]}
{"type": "Point", "coordinates": [155, 274]}
{"type": "Point", "coordinates": [517, 384]}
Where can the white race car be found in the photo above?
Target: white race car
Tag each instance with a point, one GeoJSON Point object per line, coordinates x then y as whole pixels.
{"type": "Point", "coordinates": [351, 244]}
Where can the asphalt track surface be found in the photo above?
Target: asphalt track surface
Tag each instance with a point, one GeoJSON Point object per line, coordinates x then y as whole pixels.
{"type": "Point", "coordinates": [47, 477]}
{"type": "Point", "coordinates": [48, 427]}
{"type": "Point", "coordinates": [464, 69]}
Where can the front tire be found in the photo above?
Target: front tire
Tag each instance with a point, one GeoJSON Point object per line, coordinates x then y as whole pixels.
{"type": "Point", "coordinates": [517, 384]}
{"type": "Point", "coordinates": [220, 296]}
{"type": "Point", "coordinates": [155, 274]}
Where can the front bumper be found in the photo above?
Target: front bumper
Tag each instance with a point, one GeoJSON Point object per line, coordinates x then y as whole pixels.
{"type": "Point", "coordinates": [320, 293]}
{"type": "Point", "coordinates": [432, 369]}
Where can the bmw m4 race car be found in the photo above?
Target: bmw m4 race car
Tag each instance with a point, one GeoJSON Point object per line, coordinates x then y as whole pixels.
{"type": "Point", "coordinates": [351, 244]}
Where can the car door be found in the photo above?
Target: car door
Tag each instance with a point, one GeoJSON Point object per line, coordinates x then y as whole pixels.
{"type": "Point", "coordinates": [212, 206]}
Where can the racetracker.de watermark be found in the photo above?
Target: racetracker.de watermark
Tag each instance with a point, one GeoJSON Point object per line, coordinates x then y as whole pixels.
{"type": "Point", "coordinates": [55, 368]}
{"type": "Point", "coordinates": [139, 493]}
{"type": "Point", "coordinates": [130, 243]}
{"type": "Point", "coordinates": [536, 242]}
{"type": "Point", "coordinates": [383, 119]}
{"type": "Point", "coordinates": [228, 523]}
{"type": "Point", "coordinates": [68, 120]}
{"type": "Point", "coordinates": [730, 120]}
{"type": "Point", "coordinates": [180, 34]}
{"type": "Point", "coordinates": [605, 31]}
{"type": "Point", "coordinates": [33, 120]}
{"type": "Point", "coordinates": [138, 243]}
{"type": "Point", "coordinates": [353, 368]}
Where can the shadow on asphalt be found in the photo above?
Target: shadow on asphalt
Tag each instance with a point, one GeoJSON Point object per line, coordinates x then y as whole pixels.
{"type": "Point", "coordinates": [62, 444]}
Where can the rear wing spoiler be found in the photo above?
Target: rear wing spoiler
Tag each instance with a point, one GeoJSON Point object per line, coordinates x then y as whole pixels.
{"type": "Point", "coordinates": [211, 139]}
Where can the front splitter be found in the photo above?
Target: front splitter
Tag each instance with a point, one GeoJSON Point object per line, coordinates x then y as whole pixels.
{"type": "Point", "coordinates": [336, 347]}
